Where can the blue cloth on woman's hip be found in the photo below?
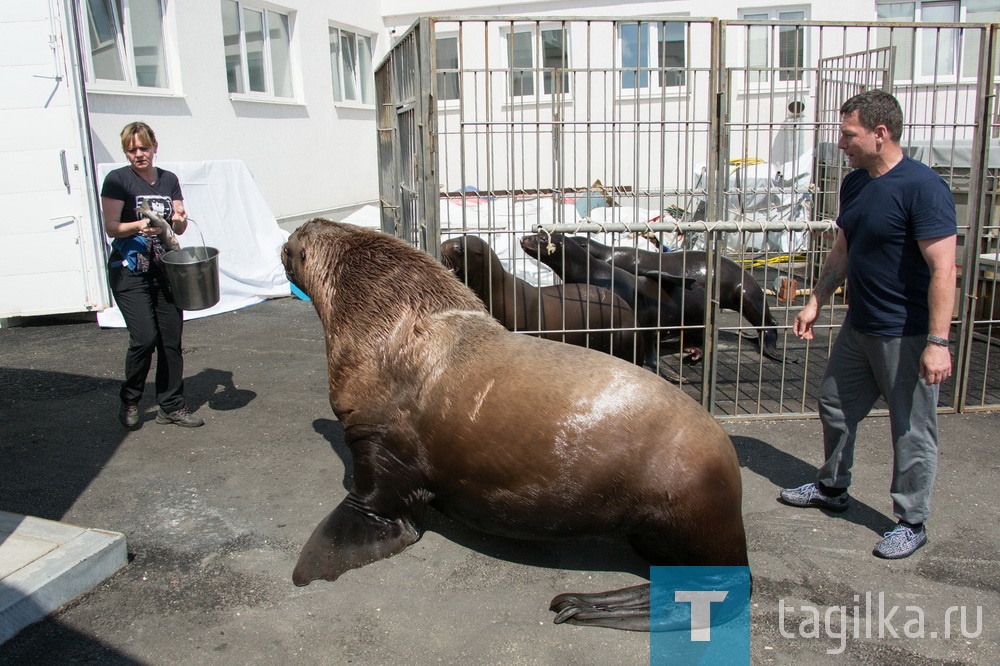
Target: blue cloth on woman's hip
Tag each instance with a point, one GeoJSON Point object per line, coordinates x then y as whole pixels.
{"type": "Point", "coordinates": [130, 248]}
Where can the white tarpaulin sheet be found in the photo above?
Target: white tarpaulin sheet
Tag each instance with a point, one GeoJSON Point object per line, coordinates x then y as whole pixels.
{"type": "Point", "coordinates": [772, 190]}
{"type": "Point", "coordinates": [228, 213]}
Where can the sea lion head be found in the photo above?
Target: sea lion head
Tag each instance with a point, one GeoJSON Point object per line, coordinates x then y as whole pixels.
{"type": "Point", "coordinates": [358, 272]}
{"type": "Point", "coordinates": [542, 244]}
{"type": "Point", "coordinates": [453, 256]}
{"type": "Point", "coordinates": [301, 251]}
{"type": "Point", "coordinates": [466, 256]}
{"type": "Point", "coordinates": [290, 251]}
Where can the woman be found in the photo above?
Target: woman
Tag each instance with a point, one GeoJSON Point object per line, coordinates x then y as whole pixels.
{"type": "Point", "coordinates": [138, 281]}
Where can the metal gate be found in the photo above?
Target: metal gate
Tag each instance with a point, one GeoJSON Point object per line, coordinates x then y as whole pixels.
{"type": "Point", "coordinates": [697, 136]}
{"type": "Point", "coordinates": [406, 139]}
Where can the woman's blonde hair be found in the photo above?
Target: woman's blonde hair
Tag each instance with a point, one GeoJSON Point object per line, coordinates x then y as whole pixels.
{"type": "Point", "coordinates": [141, 131]}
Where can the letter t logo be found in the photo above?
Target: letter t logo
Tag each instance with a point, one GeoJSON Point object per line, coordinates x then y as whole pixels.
{"type": "Point", "coordinates": [701, 610]}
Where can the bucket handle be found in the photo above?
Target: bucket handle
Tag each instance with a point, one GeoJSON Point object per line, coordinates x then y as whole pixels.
{"type": "Point", "coordinates": [202, 236]}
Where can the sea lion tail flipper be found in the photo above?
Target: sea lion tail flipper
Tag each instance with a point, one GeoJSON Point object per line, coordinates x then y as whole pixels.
{"type": "Point", "coordinates": [351, 537]}
{"type": "Point", "coordinates": [669, 374]}
{"type": "Point", "coordinates": [637, 609]}
{"type": "Point", "coordinates": [627, 608]}
{"type": "Point", "coordinates": [768, 343]}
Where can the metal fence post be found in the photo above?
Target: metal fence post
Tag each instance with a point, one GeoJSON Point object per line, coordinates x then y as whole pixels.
{"type": "Point", "coordinates": [979, 214]}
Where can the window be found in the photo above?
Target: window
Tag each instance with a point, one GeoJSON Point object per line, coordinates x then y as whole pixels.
{"type": "Point", "coordinates": [977, 11]}
{"type": "Point", "coordinates": [928, 54]}
{"type": "Point", "coordinates": [446, 60]}
{"type": "Point", "coordinates": [257, 45]}
{"type": "Point", "coordinates": [125, 44]}
{"type": "Point", "coordinates": [537, 60]}
{"type": "Point", "coordinates": [642, 43]}
{"type": "Point", "coordinates": [775, 47]}
{"type": "Point", "coordinates": [351, 62]}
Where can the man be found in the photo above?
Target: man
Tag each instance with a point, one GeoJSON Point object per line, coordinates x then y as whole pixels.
{"type": "Point", "coordinates": [896, 249]}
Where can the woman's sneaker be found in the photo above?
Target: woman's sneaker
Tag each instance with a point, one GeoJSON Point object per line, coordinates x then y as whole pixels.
{"type": "Point", "coordinates": [901, 542]}
{"type": "Point", "coordinates": [811, 495]}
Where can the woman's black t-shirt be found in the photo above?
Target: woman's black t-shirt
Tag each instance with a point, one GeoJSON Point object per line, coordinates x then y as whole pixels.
{"type": "Point", "coordinates": [127, 186]}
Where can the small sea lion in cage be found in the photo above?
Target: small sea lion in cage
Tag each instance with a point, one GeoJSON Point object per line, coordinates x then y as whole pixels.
{"type": "Point", "coordinates": [739, 290]}
{"type": "Point", "coordinates": [663, 302]}
{"type": "Point", "coordinates": [584, 311]}
{"type": "Point", "coordinates": [513, 435]}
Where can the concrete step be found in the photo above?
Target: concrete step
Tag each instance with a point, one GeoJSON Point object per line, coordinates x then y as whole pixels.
{"type": "Point", "coordinates": [45, 564]}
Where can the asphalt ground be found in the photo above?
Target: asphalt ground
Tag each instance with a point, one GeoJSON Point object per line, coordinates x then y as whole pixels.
{"type": "Point", "coordinates": [215, 517]}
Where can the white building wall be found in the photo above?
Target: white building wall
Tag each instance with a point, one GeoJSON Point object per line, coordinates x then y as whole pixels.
{"type": "Point", "coordinates": [307, 157]}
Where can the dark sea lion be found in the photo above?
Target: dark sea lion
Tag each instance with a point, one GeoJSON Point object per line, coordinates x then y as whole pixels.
{"type": "Point", "coordinates": [520, 306]}
{"type": "Point", "coordinates": [661, 300]}
{"type": "Point", "coordinates": [514, 435]}
{"type": "Point", "coordinates": [739, 291]}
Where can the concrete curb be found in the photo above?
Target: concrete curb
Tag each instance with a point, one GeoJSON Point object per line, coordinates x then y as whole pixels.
{"type": "Point", "coordinates": [45, 564]}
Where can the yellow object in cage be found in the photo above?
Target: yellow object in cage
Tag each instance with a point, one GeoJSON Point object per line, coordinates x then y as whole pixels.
{"type": "Point", "coordinates": [777, 259]}
{"type": "Point", "coordinates": [739, 162]}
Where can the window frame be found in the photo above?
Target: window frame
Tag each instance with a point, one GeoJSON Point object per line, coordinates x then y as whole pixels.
{"type": "Point", "coordinates": [773, 15]}
{"type": "Point", "coordinates": [917, 76]}
{"type": "Point", "coordinates": [361, 80]}
{"type": "Point", "coordinates": [442, 79]}
{"type": "Point", "coordinates": [654, 85]}
{"type": "Point", "coordinates": [268, 54]}
{"type": "Point", "coordinates": [538, 72]}
{"type": "Point", "coordinates": [123, 42]}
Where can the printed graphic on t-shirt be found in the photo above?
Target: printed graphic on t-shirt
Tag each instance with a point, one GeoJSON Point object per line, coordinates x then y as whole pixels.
{"type": "Point", "coordinates": [159, 204]}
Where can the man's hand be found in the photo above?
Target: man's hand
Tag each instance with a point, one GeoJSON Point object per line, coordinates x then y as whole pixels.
{"type": "Point", "coordinates": [803, 326]}
{"type": "Point", "coordinates": [935, 364]}
{"type": "Point", "coordinates": [832, 275]}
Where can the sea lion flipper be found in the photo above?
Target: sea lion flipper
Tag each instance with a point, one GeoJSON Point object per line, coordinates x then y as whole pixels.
{"type": "Point", "coordinates": [627, 608]}
{"type": "Point", "coordinates": [351, 537]}
{"type": "Point", "coordinates": [669, 278]}
{"type": "Point", "coordinates": [669, 374]}
{"type": "Point", "coordinates": [631, 608]}
{"type": "Point", "coordinates": [768, 344]}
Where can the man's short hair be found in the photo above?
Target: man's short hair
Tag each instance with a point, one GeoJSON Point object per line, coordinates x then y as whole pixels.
{"type": "Point", "coordinates": [876, 107]}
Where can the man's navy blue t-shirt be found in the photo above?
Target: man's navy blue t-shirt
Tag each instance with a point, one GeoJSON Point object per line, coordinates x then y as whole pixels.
{"type": "Point", "coordinates": [883, 218]}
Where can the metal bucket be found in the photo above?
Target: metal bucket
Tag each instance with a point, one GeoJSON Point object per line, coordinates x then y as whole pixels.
{"type": "Point", "coordinates": [193, 273]}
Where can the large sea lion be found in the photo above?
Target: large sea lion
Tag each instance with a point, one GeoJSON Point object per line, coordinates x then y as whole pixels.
{"type": "Point", "coordinates": [593, 317]}
{"type": "Point", "coordinates": [514, 435]}
{"type": "Point", "coordinates": [662, 301]}
{"type": "Point", "coordinates": [738, 291]}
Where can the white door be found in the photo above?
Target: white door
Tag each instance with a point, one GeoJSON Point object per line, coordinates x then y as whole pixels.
{"type": "Point", "coordinates": [51, 245]}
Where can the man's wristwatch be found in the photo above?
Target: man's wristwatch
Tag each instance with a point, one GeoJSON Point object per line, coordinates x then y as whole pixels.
{"type": "Point", "coordinates": [935, 340]}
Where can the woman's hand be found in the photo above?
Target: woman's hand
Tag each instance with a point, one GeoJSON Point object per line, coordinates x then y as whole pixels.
{"type": "Point", "coordinates": [179, 220]}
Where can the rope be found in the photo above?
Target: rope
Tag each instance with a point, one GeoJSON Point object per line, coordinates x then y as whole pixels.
{"type": "Point", "coordinates": [550, 247]}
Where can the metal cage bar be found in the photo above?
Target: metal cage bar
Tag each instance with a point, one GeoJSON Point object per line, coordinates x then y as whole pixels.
{"type": "Point", "coordinates": [631, 132]}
